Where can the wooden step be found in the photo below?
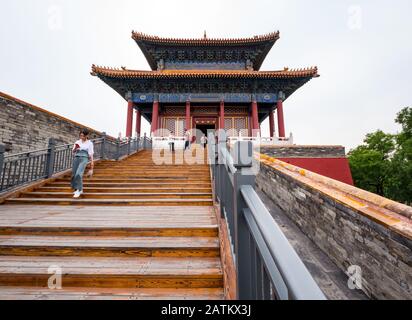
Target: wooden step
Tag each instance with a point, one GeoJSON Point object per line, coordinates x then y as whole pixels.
{"type": "Point", "coordinates": [66, 189]}
{"type": "Point", "coordinates": [33, 293]}
{"type": "Point", "coordinates": [133, 179]}
{"type": "Point", "coordinates": [135, 185]}
{"type": "Point", "coordinates": [151, 175]}
{"type": "Point", "coordinates": [134, 167]}
{"type": "Point", "coordinates": [110, 202]}
{"type": "Point", "coordinates": [108, 221]}
{"type": "Point", "coordinates": [119, 272]}
{"type": "Point", "coordinates": [114, 169]}
{"type": "Point", "coordinates": [109, 196]}
{"type": "Point", "coordinates": [201, 231]}
{"type": "Point", "coordinates": [81, 246]}
{"type": "Point", "coordinates": [117, 180]}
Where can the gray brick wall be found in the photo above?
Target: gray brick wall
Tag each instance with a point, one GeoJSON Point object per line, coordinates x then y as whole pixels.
{"type": "Point", "coordinates": [346, 236]}
{"type": "Point", "coordinates": [304, 151]}
{"type": "Point", "coordinates": [24, 127]}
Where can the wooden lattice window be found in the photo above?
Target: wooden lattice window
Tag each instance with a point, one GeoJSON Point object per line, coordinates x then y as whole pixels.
{"type": "Point", "coordinates": [204, 110]}
{"type": "Point", "coordinates": [180, 127]}
{"type": "Point", "coordinates": [236, 125]}
{"type": "Point", "coordinates": [175, 111]}
{"type": "Point", "coordinates": [236, 110]}
{"type": "Point", "coordinates": [176, 125]}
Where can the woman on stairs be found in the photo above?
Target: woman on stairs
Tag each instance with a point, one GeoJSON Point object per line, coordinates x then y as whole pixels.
{"type": "Point", "coordinates": [83, 150]}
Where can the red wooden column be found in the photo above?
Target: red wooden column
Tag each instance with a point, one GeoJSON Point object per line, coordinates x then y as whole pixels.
{"type": "Point", "coordinates": [281, 121]}
{"type": "Point", "coordinates": [222, 115]}
{"type": "Point", "coordinates": [138, 122]}
{"type": "Point", "coordinates": [155, 116]}
{"type": "Point", "coordinates": [271, 123]}
{"type": "Point", "coordinates": [129, 124]}
{"type": "Point", "coordinates": [188, 122]}
{"type": "Point", "coordinates": [255, 118]}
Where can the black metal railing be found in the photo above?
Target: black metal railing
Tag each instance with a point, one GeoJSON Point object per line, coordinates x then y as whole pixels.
{"type": "Point", "coordinates": [268, 268]}
{"type": "Point", "coordinates": [19, 169]}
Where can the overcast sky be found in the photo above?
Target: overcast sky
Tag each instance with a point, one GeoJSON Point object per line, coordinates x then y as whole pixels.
{"type": "Point", "coordinates": [363, 50]}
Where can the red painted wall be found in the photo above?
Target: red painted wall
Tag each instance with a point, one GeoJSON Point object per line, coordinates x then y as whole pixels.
{"type": "Point", "coordinates": [335, 168]}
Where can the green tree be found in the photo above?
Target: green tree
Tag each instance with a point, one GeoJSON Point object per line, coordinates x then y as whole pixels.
{"type": "Point", "coordinates": [400, 186]}
{"type": "Point", "coordinates": [370, 162]}
{"type": "Point", "coordinates": [383, 163]}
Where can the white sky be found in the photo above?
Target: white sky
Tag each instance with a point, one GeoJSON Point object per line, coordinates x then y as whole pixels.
{"type": "Point", "coordinates": [363, 50]}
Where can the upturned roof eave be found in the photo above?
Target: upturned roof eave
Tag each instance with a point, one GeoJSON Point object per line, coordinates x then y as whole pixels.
{"type": "Point", "coordinates": [124, 73]}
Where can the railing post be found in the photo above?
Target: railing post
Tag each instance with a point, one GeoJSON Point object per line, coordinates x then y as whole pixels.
{"type": "Point", "coordinates": [118, 149]}
{"type": "Point", "coordinates": [220, 167]}
{"type": "Point", "coordinates": [129, 142]}
{"type": "Point", "coordinates": [50, 158]}
{"type": "Point", "coordinates": [243, 160]}
{"type": "Point", "coordinates": [102, 155]}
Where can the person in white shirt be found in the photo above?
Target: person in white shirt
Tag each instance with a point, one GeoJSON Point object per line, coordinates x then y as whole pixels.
{"type": "Point", "coordinates": [203, 141]}
{"type": "Point", "coordinates": [172, 142]}
{"type": "Point", "coordinates": [187, 139]}
{"type": "Point", "coordinates": [83, 150]}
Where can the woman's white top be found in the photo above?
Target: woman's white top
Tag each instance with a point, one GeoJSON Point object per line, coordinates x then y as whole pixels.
{"type": "Point", "coordinates": [87, 146]}
{"type": "Point", "coordinates": [187, 136]}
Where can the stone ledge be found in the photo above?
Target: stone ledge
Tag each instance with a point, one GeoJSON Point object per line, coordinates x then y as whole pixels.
{"type": "Point", "coordinates": [304, 151]}
{"type": "Point", "coordinates": [391, 214]}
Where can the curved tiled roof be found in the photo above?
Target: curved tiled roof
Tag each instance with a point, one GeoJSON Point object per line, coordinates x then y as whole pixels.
{"type": "Point", "coordinates": [138, 36]}
{"type": "Point", "coordinates": [124, 73]}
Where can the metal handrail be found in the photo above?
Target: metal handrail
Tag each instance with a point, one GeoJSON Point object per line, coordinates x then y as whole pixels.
{"type": "Point", "coordinates": [267, 265]}
{"type": "Point", "coordinates": [22, 168]}
{"type": "Point", "coordinates": [24, 154]}
{"type": "Point", "coordinates": [296, 276]}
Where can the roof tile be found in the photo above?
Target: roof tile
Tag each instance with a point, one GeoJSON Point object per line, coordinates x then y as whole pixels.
{"type": "Point", "coordinates": [139, 36]}
{"type": "Point", "coordinates": [124, 73]}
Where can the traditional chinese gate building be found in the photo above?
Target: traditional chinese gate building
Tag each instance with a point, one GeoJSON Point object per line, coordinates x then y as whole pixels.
{"type": "Point", "coordinates": [205, 84]}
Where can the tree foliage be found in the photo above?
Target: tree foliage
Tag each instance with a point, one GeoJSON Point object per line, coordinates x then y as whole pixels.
{"type": "Point", "coordinates": [383, 163]}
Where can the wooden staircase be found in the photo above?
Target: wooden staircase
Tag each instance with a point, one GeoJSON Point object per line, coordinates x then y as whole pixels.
{"type": "Point", "coordinates": [140, 231]}
{"type": "Point", "coordinates": [136, 181]}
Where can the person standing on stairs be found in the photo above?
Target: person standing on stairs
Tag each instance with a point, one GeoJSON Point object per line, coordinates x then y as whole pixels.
{"type": "Point", "coordinates": [172, 141]}
{"type": "Point", "coordinates": [203, 141]}
{"type": "Point", "coordinates": [83, 150]}
{"type": "Point", "coordinates": [187, 139]}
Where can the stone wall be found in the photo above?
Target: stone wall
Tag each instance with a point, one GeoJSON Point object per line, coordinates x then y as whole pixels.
{"type": "Point", "coordinates": [329, 161]}
{"type": "Point", "coordinates": [298, 151]}
{"type": "Point", "coordinates": [25, 127]}
{"type": "Point", "coordinates": [351, 226]}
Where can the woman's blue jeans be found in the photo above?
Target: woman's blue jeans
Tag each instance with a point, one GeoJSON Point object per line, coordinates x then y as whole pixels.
{"type": "Point", "coordinates": [79, 165]}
